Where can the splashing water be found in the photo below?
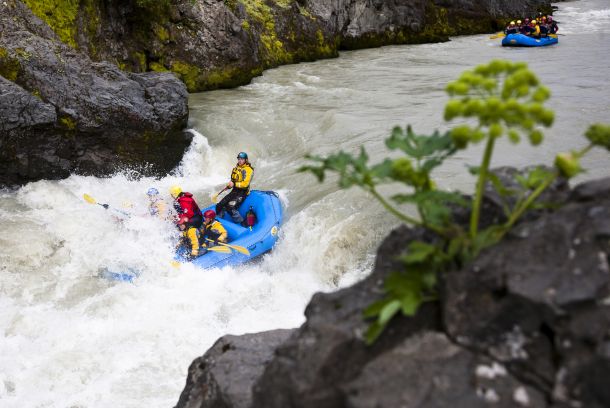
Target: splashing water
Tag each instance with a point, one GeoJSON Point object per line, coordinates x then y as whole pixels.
{"type": "Point", "coordinates": [71, 339]}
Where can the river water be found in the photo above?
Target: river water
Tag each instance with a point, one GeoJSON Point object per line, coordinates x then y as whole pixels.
{"type": "Point", "coordinates": [71, 339]}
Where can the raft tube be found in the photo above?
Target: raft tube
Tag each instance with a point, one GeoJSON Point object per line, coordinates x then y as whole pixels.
{"type": "Point", "coordinates": [258, 239]}
{"type": "Point", "coordinates": [520, 40]}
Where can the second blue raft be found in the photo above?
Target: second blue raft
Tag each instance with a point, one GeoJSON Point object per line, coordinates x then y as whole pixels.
{"type": "Point", "coordinates": [520, 40]}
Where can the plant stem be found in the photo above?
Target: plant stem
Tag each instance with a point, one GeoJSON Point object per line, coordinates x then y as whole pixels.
{"type": "Point", "coordinates": [525, 205]}
{"type": "Point", "coordinates": [393, 210]}
{"type": "Point", "coordinates": [405, 218]}
{"type": "Point", "coordinates": [585, 150]}
{"type": "Point", "coordinates": [476, 206]}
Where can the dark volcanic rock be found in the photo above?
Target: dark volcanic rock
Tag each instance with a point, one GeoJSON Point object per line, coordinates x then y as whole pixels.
{"type": "Point", "coordinates": [224, 375]}
{"type": "Point", "coordinates": [522, 300]}
{"type": "Point", "coordinates": [428, 370]}
{"type": "Point", "coordinates": [92, 117]}
{"type": "Point", "coordinates": [19, 108]}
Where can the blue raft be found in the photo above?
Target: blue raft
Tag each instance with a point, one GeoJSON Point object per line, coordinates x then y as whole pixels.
{"type": "Point", "coordinates": [258, 240]}
{"type": "Point", "coordinates": [520, 40]}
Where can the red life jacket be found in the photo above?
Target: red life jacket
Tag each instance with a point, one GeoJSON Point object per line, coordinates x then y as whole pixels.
{"type": "Point", "coordinates": [186, 205]}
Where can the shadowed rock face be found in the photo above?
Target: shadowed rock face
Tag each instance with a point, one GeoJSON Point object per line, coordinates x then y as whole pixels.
{"type": "Point", "coordinates": [224, 376]}
{"type": "Point", "coordinates": [218, 44]}
{"type": "Point", "coordinates": [62, 112]}
{"type": "Point", "coordinates": [527, 324]}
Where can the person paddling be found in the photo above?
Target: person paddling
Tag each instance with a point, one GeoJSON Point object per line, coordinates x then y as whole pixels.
{"type": "Point", "coordinates": [185, 205]}
{"type": "Point", "coordinates": [157, 207]}
{"type": "Point", "coordinates": [553, 28]}
{"type": "Point", "coordinates": [511, 28]}
{"type": "Point", "coordinates": [211, 230]}
{"type": "Point", "coordinates": [189, 238]}
{"type": "Point", "coordinates": [241, 176]}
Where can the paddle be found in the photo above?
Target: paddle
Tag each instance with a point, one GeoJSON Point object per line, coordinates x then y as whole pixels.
{"type": "Point", "coordinates": [215, 196]}
{"type": "Point", "coordinates": [238, 248]}
{"type": "Point", "coordinates": [221, 249]}
{"type": "Point", "coordinates": [498, 35]}
{"type": "Point", "coordinates": [92, 200]}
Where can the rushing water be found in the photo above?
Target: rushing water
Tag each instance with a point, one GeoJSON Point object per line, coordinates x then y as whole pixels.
{"type": "Point", "coordinates": [71, 339]}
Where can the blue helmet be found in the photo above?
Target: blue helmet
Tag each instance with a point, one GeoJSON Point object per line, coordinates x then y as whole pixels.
{"type": "Point", "coordinates": [152, 191]}
{"type": "Point", "coordinates": [242, 155]}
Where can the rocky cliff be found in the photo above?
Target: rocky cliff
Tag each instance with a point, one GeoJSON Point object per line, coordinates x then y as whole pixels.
{"type": "Point", "coordinates": [527, 324]}
{"type": "Point", "coordinates": [61, 112]}
{"type": "Point", "coordinates": [90, 86]}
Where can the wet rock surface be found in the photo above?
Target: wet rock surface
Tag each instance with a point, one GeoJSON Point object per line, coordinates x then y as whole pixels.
{"type": "Point", "coordinates": [526, 324]}
{"type": "Point", "coordinates": [224, 375]}
{"type": "Point", "coordinates": [64, 113]}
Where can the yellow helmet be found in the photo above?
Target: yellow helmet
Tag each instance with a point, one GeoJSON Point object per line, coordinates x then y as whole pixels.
{"type": "Point", "coordinates": [518, 21]}
{"type": "Point", "coordinates": [175, 191]}
{"type": "Point", "coordinates": [512, 23]}
{"type": "Point", "coordinates": [533, 21]}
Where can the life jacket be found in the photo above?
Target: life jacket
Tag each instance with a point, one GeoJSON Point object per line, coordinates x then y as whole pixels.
{"type": "Point", "coordinates": [214, 231]}
{"type": "Point", "coordinates": [544, 30]}
{"type": "Point", "coordinates": [186, 205]}
{"type": "Point", "coordinates": [241, 176]}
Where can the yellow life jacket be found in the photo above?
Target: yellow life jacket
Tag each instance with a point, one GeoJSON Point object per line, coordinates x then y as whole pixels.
{"type": "Point", "coordinates": [241, 176]}
{"type": "Point", "coordinates": [214, 231]}
{"type": "Point", "coordinates": [191, 236]}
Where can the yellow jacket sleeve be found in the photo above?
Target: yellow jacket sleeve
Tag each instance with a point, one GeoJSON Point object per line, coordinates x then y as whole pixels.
{"type": "Point", "coordinates": [194, 239]}
{"type": "Point", "coordinates": [221, 231]}
{"type": "Point", "coordinates": [245, 177]}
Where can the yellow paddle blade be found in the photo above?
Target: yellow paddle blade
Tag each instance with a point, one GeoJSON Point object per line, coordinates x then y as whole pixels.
{"type": "Point", "coordinates": [215, 198]}
{"type": "Point", "coordinates": [553, 35]}
{"type": "Point", "coordinates": [498, 35]}
{"type": "Point", "coordinates": [220, 249]}
{"type": "Point", "coordinates": [89, 199]}
{"type": "Point", "coordinates": [238, 248]}
{"type": "Point", "coordinates": [175, 264]}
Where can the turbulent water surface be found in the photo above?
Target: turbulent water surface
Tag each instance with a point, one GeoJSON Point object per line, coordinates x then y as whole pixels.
{"type": "Point", "coordinates": [71, 339]}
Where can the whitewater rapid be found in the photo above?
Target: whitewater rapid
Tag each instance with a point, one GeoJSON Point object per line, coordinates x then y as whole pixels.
{"type": "Point", "coordinates": [71, 339]}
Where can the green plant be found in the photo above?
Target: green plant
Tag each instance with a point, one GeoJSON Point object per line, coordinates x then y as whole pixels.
{"type": "Point", "coordinates": [497, 99]}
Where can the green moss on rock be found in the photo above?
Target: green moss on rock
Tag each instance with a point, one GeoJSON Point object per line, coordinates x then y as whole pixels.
{"type": "Point", "coordinates": [439, 25]}
{"type": "Point", "coordinates": [190, 74]}
{"type": "Point", "coordinates": [67, 122]}
{"type": "Point", "coordinates": [161, 33]}
{"type": "Point", "coordinates": [9, 67]}
{"type": "Point", "coordinates": [273, 51]}
{"type": "Point", "coordinates": [60, 15]}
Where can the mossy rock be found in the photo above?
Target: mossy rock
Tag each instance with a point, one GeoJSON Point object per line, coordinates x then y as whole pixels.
{"type": "Point", "coordinates": [9, 67]}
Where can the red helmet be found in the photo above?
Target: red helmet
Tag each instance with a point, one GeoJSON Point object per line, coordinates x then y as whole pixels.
{"type": "Point", "coordinates": [183, 220]}
{"type": "Point", "coordinates": [209, 214]}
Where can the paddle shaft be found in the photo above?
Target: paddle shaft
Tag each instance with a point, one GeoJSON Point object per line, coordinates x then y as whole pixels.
{"type": "Point", "coordinates": [92, 200]}
{"type": "Point", "coordinates": [215, 196]}
{"type": "Point", "coordinates": [238, 248]}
